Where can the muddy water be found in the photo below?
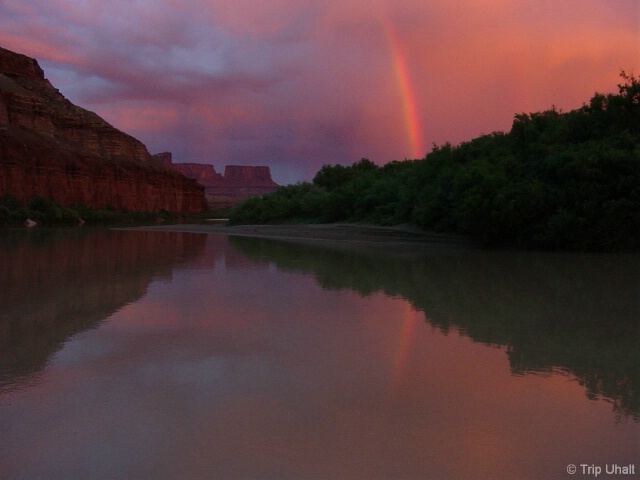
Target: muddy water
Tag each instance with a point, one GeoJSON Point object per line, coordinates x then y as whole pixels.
{"type": "Point", "coordinates": [150, 355]}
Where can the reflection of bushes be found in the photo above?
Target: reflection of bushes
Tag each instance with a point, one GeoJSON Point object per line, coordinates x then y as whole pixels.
{"type": "Point", "coordinates": [555, 181]}
{"type": "Point", "coordinates": [572, 312]}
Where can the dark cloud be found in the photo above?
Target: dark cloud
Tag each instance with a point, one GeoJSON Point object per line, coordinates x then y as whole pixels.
{"type": "Point", "coordinates": [298, 84]}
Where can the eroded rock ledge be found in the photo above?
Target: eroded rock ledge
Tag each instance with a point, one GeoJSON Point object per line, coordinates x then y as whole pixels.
{"type": "Point", "coordinates": [52, 148]}
{"type": "Point", "coordinates": [238, 182]}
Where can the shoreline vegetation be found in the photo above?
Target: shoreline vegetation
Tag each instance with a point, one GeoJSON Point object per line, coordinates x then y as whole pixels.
{"type": "Point", "coordinates": [43, 211]}
{"type": "Point", "coordinates": [555, 181]}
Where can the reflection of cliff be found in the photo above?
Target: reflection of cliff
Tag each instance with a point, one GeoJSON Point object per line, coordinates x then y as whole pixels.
{"type": "Point", "coordinates": [61, 282]}
{"type": "Point", "coordinates": [577, 313]}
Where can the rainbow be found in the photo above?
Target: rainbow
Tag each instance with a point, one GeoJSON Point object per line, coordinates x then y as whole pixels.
{"type": "Point", "coordinates": [405, 87]}
{"type": "Point", "coordinates": [405, 341]}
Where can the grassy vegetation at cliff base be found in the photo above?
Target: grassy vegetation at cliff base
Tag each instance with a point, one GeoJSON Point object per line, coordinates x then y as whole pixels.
{"type": "Point", "coordinates": [44, 211]}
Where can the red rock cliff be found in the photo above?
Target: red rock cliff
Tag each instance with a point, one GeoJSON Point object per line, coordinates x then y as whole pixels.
{"type": "Point", "coordinates": [203, 174]}
{"type": "Point", "coordinates": [238, 183]}
{"type": "Point", "coordinates": [50, 147]}
{"type": "Point", "coordinates": [248, 176]}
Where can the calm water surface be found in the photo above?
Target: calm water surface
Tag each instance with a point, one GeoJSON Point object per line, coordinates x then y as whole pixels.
{"type": "Point", "coordinates": [150, 355]}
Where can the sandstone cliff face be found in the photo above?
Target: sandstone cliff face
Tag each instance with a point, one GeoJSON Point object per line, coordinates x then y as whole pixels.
{"type": "Point", "coordinates": [248, 176]}
{"type": "Point", "coordinates": [242, 182]}
{"type": "Point", "coordinates": [238, 183]}
{"type": "Point", "coordinates": [203, 174]}
{"type": "Point", "coordinates": [53, 148]}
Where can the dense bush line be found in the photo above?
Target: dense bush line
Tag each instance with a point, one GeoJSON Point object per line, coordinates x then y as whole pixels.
{"type": "Point", "coordinates": [44, 211]}
{"type": "Point", "coordinates": [555, 180]}
{"type": "Point", "coordinates": [39, 209]}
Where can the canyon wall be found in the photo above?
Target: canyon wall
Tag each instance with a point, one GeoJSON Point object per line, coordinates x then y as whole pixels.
{"type": "Point", "coordinates": [52, 148]}
{"type": "Point", "coordinates": [204, 174]}
{"type": "Point", "coordinates": [238, 183]}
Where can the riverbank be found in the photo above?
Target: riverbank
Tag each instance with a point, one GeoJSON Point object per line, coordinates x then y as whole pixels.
{"type": "Point", "coordinates": [335, 232]}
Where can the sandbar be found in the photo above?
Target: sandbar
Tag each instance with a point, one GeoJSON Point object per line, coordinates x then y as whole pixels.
{"type": "Point", "coordinates": [333, 232]}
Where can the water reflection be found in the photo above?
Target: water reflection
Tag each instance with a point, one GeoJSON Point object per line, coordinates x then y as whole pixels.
{"type": "Point", "coordinates": [574, 312]}
{"type": "Point", "coordinates": [219, 358]}
{"type": "Point", "coordinates": [56, 283]}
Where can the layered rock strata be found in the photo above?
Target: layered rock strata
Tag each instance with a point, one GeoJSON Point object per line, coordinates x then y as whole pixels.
{"type": "Point", "coordinates": [52, 148]}
{"type": "Point", "coordinates": [238, 182]}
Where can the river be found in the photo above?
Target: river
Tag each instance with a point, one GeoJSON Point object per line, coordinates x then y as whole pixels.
{"type": "Point", "coordinates": [168, 355]}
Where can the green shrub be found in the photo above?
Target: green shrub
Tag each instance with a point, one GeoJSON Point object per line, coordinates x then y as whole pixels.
{"type": "Point", "coordinates": [5, 215]}
{"type": "Point", "coordinates": [10, 202]}
{"type": "Point", "coordinates": [555, 180]}
{"type": "Point", "coordinates": [49, 211]}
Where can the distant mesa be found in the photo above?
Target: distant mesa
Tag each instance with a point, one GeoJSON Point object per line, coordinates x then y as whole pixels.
{"type": "Point", "coordinates": [52, 148]}
{"type": "Point", "coordinates": [238, 183]}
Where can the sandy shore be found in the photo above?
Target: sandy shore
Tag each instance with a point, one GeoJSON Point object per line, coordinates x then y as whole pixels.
{"type": "Point", "coordinates": [335, 232]}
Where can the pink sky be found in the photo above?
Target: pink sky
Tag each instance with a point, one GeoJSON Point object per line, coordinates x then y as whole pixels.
{"type": "Point", "coordinates": [298, 84]}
